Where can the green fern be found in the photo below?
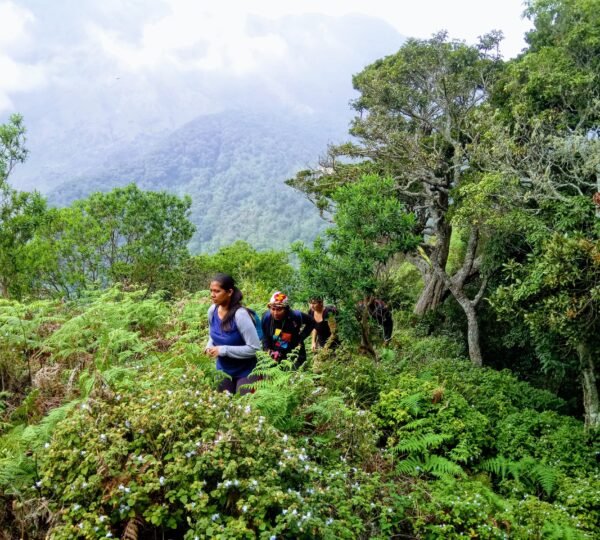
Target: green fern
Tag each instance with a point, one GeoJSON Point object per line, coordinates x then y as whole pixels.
{"type": "Point", "coordinates": [440, 466]}
{"type": "Point", "coordinates": [281, 389]}
{"type": "Point", "coordinates": [415, 424]}
{"type": "Point", "coordinates": [527, 469]}
{"type": "Point", "coordinates": [497, 465]}
{"type": "Point", "coordinates": [545, 476]}
{"type": "Point", "coordinates": [412, 403]}
{"type": "Point", "coordinates": [420, 442]}
{"type": "Point", "coordinates": [18, 449]}
{"type": "Point", "coordinates": [437, 466]}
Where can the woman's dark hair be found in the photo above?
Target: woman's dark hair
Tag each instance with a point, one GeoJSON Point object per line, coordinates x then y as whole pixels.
{"type": "Point", "coordinates": [227, 283]}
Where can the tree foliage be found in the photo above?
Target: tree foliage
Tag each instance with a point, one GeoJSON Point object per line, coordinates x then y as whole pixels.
{"type": "Point", "coordinates": [127, 235]}
{"type": "Point", "coordinates": [370, 227]}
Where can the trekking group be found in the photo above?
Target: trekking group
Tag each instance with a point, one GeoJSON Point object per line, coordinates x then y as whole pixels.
{"type": "Point", "coordinates": [236, 333]}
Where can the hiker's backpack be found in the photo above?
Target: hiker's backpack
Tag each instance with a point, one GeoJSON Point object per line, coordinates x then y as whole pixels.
{"type": "Point", "coordinates": [257, 323]}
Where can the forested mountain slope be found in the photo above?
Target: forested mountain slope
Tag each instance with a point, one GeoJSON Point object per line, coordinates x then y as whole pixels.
{"type": "Point", "coordinates": [233, 164]}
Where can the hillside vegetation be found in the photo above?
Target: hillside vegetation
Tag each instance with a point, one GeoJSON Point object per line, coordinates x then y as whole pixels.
{"type": "Point", "coordinates": [466, 203]}
{"type": "Point", "coordinates": [233, 165]}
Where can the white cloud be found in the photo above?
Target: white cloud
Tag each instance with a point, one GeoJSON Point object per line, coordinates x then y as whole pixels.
{"type": "Point", "coordinates": [13, 20]}
{"type": "Point", "coordinates": [192, 37]}
{"type": "Point", "coordinates": [16, 76]}
{"type": "Point", "coordinates": [214, 36]}
{"type": "Point", "coordinates": [464, 19]}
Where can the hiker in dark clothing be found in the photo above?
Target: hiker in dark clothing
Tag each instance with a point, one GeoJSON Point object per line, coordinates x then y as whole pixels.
{"type": "Point", "coordinates": [381, 313]}
{"type": "Point", "coordinates": [285, 329]}
{"type": "Point", "coordinates": [324, 334]}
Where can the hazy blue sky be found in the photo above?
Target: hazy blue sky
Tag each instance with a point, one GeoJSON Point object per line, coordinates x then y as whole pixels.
{"type": "Point", "coordinates": [42, 41]}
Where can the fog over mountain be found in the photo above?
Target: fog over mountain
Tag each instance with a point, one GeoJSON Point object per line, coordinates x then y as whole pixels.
{"type": "Point", "coordinates": [103, 105]}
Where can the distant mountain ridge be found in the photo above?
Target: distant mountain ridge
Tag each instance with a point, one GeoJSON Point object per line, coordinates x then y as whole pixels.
{"type": "Point", "coordinates": [227, 137]}
{"type": "Point", "coordinates": [233, 164]}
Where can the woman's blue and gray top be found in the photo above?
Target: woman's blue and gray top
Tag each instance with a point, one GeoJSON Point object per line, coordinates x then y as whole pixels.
{"type": "Point", "coordinates": [238, 346]}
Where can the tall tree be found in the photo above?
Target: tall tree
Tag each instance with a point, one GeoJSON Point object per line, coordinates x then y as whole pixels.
{"type": "Point", "coordinates": [20, 212]}
{"type": "Point", "coordinates": [548, 102]}
{"type": "Point", "coordinates": [418, 123]}
{"type": "Point", "coordinates": [556, 292]}
{"type": "Point", "coordinates": [371, 226]}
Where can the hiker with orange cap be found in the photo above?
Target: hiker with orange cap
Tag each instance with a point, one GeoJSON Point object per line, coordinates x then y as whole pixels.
{"type": "Point", "coordinates": [285, 329]}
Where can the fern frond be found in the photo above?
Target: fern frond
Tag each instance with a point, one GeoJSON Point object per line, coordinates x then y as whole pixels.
{"type": "Point", "coordinates": [420, 442]}
{"type": "Point", "coordinates": [498, 465]}
{"type": "Point", "coordinates": [431, 464]}
{"type": "Point", "coordinates": [412, 466]}
{"type": "Point", "coordinates": [416, 424]}
{"type": "Point", "coordinates": [412, 403]}
{"type": "Point", "coordinates": [545, 476]}
{"type": "Point", "coordinates": [440, 466]}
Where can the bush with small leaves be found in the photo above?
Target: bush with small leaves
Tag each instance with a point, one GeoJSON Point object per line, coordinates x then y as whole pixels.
{"type": "Point", "coordinates": [174, 455]}
{"type": "Point", "coordinates": [493, 393]}
{"type": "Point", "coordinates": [301, 403]}
{"type": "Point", "coordinates": [580, 496]}
{"type": "Point", "coordinates": [458, 509]}
{"type": "Point", "coordinates": [451, 509]}
{"type": "Point", "coordinates": [359, 378]}
{"type": "Point", "coordinates": [552, 439]}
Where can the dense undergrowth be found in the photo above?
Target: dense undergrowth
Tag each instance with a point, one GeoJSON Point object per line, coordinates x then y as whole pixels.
{"type": "Point", "coordinates": [110, 426]}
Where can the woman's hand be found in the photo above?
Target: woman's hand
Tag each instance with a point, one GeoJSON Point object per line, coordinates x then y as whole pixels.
{"type": "Point", "coordinates": [212, 351]}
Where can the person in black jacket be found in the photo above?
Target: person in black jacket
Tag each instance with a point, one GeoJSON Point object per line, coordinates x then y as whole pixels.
{"type": "Point", "coordinates": [285, 329]}
{"type": "Point", "coordinates": [381, 313]}
{"type": "Point", "coordinates": [324, 334]}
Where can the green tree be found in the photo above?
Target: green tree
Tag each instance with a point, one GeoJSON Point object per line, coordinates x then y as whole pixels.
{"type": "Point", "coordinates": [558, 77]}
{"type": "Point", "coordinates": [20, 212]}
{"type": "Point", "coordinates": [548, 107]}
{"type": "Point", "coordinates": [557, 293]}
{"type": "Point", "coordinates": [418, 124]}
{"type": "Point", "coordinates": [261, 271]}
{"type": "Point", "coordinates": [126, 235]}
{"type": "Point", "coordinates": [371, 227]}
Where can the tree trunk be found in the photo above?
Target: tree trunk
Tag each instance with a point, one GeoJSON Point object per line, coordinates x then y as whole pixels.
{"type": "Point", "coordinates": [431, 295]}
{"type": "Point", "coordinates": [472, 328]}
{"type": "Point", "coordinates": [365, 335]}
{"type": "Point", "coordinates": [590, 387]}
{"type": "Point", "coordinates": [456, 285]}
{"type": "Point", "coordinates": [473, 337]}
{"type": "Point", "coordinates": [3, 290]}
{"type": "Point", "coordinates": [434, 289]}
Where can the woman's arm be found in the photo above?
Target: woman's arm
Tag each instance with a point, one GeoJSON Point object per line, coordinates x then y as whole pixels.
{"type": "Point", "coordinates": [309, 325]}
{"type": "Point", "coordinates": [209, 343]}
{"type": "Point", "coordinates": [246, 327]}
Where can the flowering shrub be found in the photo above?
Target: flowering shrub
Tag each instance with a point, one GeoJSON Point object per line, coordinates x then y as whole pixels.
{"type": "Point", "coordinates": [297, 402]}
{"type": "Point", "coordinates": [173, 454]}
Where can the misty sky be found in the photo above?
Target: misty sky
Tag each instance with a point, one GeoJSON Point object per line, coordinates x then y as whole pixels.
{"type": "Point", "coordinates": [42, 42]}
{"type": "Point", "coordinates": [96, 78]}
